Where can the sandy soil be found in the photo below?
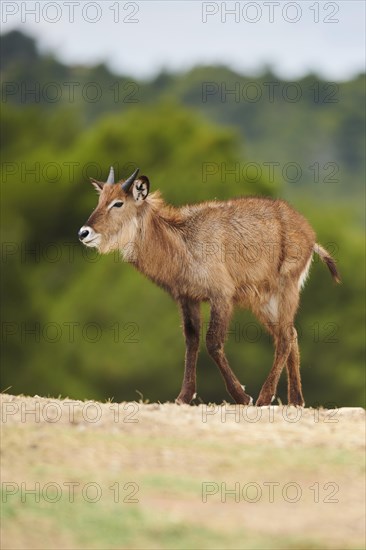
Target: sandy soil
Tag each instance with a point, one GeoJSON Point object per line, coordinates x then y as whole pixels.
{"type": "Point", "coordinates": [270, 477]}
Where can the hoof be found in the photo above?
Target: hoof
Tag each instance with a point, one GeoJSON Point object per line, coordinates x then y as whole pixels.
{"type": "Point", "coordinates": [244, 400]}
{"type": "Point", "coordinates": [265, 400]}
{"type": "Point", "coordinates": [296, 399]}
{"type": "Point", "coordinates": [297, 403]}
{"type": "Point", "coordinates": [184, 399]}
{"type": "Point", "coordinates": [180, 401]}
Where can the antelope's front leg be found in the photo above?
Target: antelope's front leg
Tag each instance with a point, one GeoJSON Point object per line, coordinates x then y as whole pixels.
{"type": "Point", "coordinates": [191, 326]}
{"type": "Point", "coordinates": [215, 338]}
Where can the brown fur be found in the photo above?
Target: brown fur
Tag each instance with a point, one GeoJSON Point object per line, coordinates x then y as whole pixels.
{"type": "Point", "coordinates": [251, 252]}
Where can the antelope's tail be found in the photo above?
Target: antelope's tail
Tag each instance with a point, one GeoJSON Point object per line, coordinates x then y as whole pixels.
{"type": "Point", "coordinates": [328, 260]}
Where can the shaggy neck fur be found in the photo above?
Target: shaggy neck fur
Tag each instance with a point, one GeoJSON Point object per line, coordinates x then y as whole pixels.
{"type": "Point", "coordinates": [156, 232]}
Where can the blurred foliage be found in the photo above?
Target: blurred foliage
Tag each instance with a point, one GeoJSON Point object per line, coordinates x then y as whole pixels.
{"type": "Point", "coordinates": [100, 329]}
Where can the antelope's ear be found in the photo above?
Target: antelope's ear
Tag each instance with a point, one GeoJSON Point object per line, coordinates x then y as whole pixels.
{"type": "Point", "coordinates": [97, 184]}
{"type": "Point", "coordinates": [140, 189]}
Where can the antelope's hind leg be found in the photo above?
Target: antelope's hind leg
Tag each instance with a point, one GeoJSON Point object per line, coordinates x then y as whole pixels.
{"type": "Point", "coordinates": [294, 389]}
{"type": "Point", "coordinates": [280, 322]}
{"type": "Point", "coordinates": [282, 350]}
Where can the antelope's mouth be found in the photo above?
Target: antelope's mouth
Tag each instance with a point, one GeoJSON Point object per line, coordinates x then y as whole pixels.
{"type": "Point", "coordinates": [92, 243]}
{"type": "Point", "coordinates": [89, 237]}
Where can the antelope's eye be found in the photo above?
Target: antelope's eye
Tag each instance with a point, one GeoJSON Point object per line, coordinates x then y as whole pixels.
{"type": "Point", "coordinates": [117, 204]}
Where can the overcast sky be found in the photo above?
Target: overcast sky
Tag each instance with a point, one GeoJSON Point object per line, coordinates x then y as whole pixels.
{"type": "Point", "coordinates": [141, 38]}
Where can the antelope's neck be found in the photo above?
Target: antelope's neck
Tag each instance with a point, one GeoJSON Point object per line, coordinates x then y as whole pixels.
{"type": "Point", "coordinates": [159, 246]}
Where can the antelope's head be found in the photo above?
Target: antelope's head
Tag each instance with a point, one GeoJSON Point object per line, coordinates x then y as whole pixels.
{"type": "Point", "coordinates": [117, 210]}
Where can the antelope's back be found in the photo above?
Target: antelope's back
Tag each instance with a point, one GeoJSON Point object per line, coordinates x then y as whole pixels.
{"type": "Point", "coordinates": [254, 238]}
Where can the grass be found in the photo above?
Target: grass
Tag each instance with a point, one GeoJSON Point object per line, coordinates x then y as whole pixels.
{"type": "Point", "coordinates": [150, 478]}
{"type": "Point", "coordinates": [101, 525]}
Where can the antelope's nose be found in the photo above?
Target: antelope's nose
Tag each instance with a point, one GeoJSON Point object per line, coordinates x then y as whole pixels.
{"type": "Point", "coordinates": [83, 233]}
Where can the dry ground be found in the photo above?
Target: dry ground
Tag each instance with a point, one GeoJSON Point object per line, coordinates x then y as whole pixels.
{"type": "Point", "coordinates": [158, 476]}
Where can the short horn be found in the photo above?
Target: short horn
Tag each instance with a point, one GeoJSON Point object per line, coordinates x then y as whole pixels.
{"type": "Point", "coordinates": [110, 179]}
{"type": "Point", "coordinates": [127, 184]}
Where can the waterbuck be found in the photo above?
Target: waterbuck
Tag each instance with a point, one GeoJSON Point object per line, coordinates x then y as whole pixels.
{"type": "Point", "coordinates": [251, 251]}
